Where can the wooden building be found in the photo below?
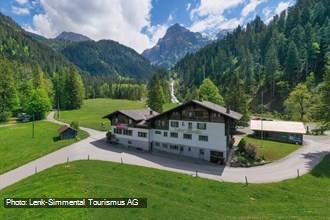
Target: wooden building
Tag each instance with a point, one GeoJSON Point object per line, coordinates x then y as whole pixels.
{"type": "Point", "coordinates": [67, 132]}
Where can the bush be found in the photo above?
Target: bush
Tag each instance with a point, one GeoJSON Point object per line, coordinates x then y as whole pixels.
{"type": "Point", "coordinates": [251, 151]}
{"type": "Point", "coordinates": [241, 146]}
{"type": "Point", "coordinates": [4, 116]}
{"type": "Point", "coordinates": [75, 124]}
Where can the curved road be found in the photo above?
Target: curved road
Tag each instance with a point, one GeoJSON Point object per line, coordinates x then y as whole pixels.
{"type": "Point", "coordinates": [95, 148]}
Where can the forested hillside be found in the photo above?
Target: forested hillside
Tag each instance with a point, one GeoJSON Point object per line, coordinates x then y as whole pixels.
{"type": "Point", "coordinates": [34, 77]}
{"type": "Point", "coordinates": [267, 60]}
{"type": "Point", "coordinates": [108, 57]}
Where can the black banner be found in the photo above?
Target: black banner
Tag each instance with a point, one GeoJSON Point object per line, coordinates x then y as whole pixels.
{"type": "Point", "coordinates": [75, 203]}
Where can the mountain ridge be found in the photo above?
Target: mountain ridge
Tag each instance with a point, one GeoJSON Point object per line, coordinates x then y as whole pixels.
{"type": "Point", "coordinates": [176, 43]}
{"type": "Point", "coordinates": [71, 36]}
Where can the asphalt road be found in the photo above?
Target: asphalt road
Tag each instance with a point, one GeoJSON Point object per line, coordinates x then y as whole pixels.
{"type": "Point", "coordinates": [96, 148]}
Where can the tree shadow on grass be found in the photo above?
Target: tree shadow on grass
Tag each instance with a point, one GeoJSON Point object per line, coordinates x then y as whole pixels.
{"type": "Point", "coordinates": [323, 168]}
{"type": "Point", "coordinates": [164, 159]}
{"type": "Point", "coordinates": [56, 139]}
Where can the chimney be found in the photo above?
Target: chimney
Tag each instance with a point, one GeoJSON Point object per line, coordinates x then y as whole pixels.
{"type": "Point", "coordinates": [228, 110]}
{"type": "Point", "coordinates": [151, 112]}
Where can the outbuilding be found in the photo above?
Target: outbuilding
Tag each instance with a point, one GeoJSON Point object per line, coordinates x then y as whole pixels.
{"type": "Point", "coordinates": [67, 132]}
{"type": "Point", "coordinates": [284, 131]}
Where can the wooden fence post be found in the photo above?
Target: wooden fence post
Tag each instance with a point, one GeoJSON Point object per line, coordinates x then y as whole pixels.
{"type": "Point", "coordinates": [246, 181]}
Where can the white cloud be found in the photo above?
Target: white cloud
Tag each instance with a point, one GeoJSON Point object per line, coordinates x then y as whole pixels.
{"type": "Point", "coordinates": [188, 7]}
{"type": "Point", "coordinates": [268, 13]}
{"type": "Point", "coordinates": [208, 16]}
{"type": "Point", "coordinates": [119, 20]}
{"type": "Point", "coordinates": [282, 6]}
{"type": "Point", "coordinates": [251, 6]}
{"type": "Point", "coordinates": [21, 2]}
{"type": "Point", "coordinates": [20, 11]}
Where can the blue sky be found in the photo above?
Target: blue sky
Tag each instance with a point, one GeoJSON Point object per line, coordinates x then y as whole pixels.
{"type": "Point", "coordinates": [136, 23]}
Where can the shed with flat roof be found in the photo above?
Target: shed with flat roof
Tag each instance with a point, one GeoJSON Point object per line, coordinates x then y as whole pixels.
{"type": "Point", "coordinates": [285, 131]}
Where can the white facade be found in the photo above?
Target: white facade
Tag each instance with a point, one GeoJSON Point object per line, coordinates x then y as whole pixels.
{"type": "Point", "coordinates": [189, 138]}
{"type": "Point", "coordinates": [136, 139]}
{"type": "Point", "coordinates": [214, 131]}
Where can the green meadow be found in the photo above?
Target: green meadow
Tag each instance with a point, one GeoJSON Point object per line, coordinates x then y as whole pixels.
{"type": "Point", "coordinates": [17, 146]}
{"type": "Point", "coordinates": [171, 195]}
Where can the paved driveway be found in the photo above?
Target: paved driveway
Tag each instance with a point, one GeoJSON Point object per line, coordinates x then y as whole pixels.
{"type": "Point", "coordinates": [96, 148]}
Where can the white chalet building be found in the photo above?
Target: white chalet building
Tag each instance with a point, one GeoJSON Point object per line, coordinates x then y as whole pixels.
{"type": "Point", "coordinates": [197, 129]}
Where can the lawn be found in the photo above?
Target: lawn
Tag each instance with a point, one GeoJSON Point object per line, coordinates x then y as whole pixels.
{"type": "Point", "coordinates": [17, 146]}
{"type": "Point", "coordinates": [92, 111]}
{"type": "Point", "coordinates": [272, 150]}
{"type": "Point", "coordinates": [171, 195]}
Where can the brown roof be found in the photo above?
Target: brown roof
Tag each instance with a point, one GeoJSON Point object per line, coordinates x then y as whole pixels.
{"type": "Point", "coordinates": [135, 114]}
{"type": "Point", "coordinates": [208, 105]}
{"type": "Point", "coordinates": [219, 109]}
{"type": "Point", "coordinates": [64, 128]}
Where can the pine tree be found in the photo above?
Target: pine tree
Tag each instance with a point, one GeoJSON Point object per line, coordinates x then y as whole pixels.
{"type": "Point", "coordinates": [292, 66]}
{"type": "Point", "coordinates": [325, 94]}
{"type": "Point", "coordinates": [155, 94]}
{"type": "Point", "coordinates": [271, 67]}
{"type": "Point", "coordinates": [8, 95]}
{"type": "Point", "coordinates": [74, 89]}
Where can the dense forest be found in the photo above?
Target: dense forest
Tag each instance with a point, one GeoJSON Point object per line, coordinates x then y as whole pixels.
{"type": "Point", "coordinates": [108, 57]}
{"type": "Point", "coordinates": [267, 62]}
{"type": "Point", "coordinates": [34, 78]}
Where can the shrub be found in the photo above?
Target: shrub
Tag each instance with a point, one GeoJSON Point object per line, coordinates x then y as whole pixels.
{"type": "Point", "coordinates": [4, 116]}
{"type": "Point", "coordinates": [251, 151]}
{"type": "Point", "coordinates": [75, 124]}
{"type": "Point", "coordinates": [241, 146]}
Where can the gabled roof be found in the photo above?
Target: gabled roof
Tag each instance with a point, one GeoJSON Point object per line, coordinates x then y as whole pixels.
{"type": "Point", "coordinates": [278, 126]}
{"type": "Point", "coordinates": [136, 115]}
{"type": "Point", "coordinates": [208, 105]}
{"type": "Point", "coordinates": [219, 109]}
{"type": "Point", "coordinates": [64, 128]}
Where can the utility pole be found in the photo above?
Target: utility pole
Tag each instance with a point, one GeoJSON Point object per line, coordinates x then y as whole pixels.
{"type": "Point", "coordinates": [33, 118]}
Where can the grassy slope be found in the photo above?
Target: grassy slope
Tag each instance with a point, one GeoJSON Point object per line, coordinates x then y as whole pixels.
{"type": "Point", "coordinates": [171, 195]}
{"type": "Point", "coordinates": [272, 150]}
{"type": "Point", "coordinates": [17, 146]}
{"type": "Point", "coordinates": [91, 113]}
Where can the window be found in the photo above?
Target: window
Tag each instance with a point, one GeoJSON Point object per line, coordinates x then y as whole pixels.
{"type": "Point", "coordinates": [174, 124]}
{"type": "Point", "coordinates": [177, 114]}
{"type": "Point", "coordinates": [118, 131]}
{"type": "Point", "coordinates": [189, 148]}
{"type": "Point", "coordinates": [157, 144]}
{"type": "Point", "coordinates": [190, 114]}
{"type": "Point", "coordinates": [190, 126]}
{"type": "Point", "coordinates": [174, 135]}
{"type": "Point", "coordinates": [129, 142]}
{"type": "Point", "coordinates": [187, 136]}
{"type": "Point", "coordinates": [199, 114]}
{"type": "Point", "coordinates": [201, 151]}
{"type": "Point", "coordinates": [158, 132]}
{"type": "Point", "coordinates": [182, 124]}
{"type": "Point", "coordinates": [130, 121]}
{"type": "Point", "coordinates": [165, 133]}
{"type": "Point", "coordinates": [203, 138]}
{"type": "Point", "coordinates": [174, 147]}
{"type": "Point", "coordinates": [142, 134]}
{"type": "Point", "coordinates": [165, 145]}
{"type": "Point", "coordinates": [128, 132]}
{"type": "Point", "coordinates": [201, 126]}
